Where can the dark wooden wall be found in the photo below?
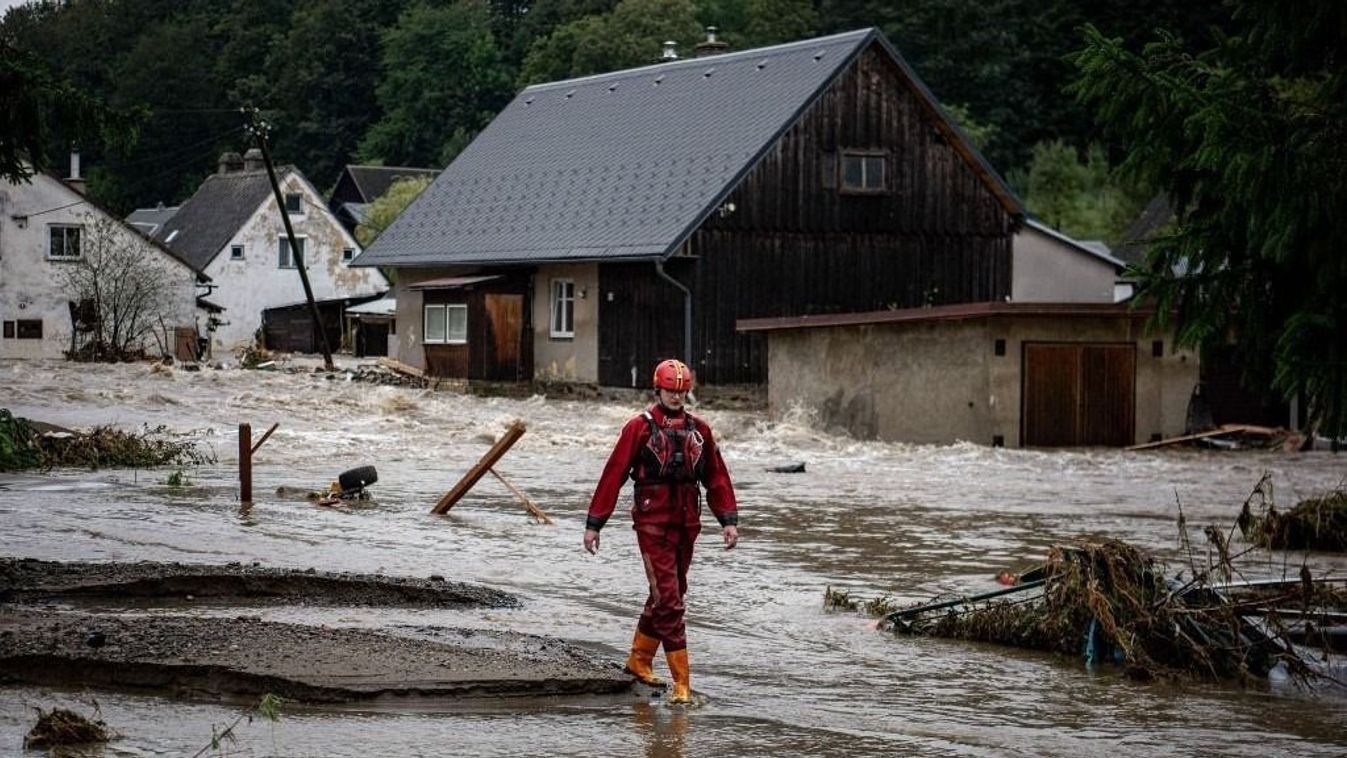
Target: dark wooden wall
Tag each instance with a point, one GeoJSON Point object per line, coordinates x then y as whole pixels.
{"type": "Point", "coordinates": [497, 349]}
{"type": "Point", "coordinates": [795, 244]}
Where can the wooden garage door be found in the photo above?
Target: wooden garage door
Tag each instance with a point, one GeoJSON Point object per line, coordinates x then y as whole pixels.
{"type": "Point", "coordinates": [1079, 395]}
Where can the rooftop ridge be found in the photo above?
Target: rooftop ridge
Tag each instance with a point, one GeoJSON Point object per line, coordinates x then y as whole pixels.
{"type": "Point", "coordinates": [706, 61]}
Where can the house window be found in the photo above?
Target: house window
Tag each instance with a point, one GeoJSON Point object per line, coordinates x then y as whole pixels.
{"type": "Point", "coordinates": [563, 308]}
{"type": "Point", "coordinates": [29, 329]}
{"type": "Point", "coordinates": [863, 172]}
{"type": "Point", "coordinates": [347, 254]}
{"type": "Point", "coordinates": [294, 203]}
{"type": "Point", "coordinates": [285, 259]}
{"type": "Point", "coordinates": [64, 242]}
{"type": "Point", "coordinates": [446, 324]}
{"type": "Point", "coordinates": [236, 252]}
{"type": "Point", "coordinates": [9, 330]}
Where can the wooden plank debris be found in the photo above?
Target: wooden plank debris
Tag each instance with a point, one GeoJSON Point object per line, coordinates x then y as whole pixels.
{"type": "Point", "coordinates": [1224, 429]}
{"type": "Point", "coordinates": [475, 473]}
{"type": "Point", "coordinates": [538, 514]}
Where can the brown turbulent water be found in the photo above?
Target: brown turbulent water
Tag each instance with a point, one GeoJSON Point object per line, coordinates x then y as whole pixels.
{"type": "Point", "coordinates": [782, 676]}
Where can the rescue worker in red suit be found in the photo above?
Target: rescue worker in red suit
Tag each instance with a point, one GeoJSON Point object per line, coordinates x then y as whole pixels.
{"type": "Point", "coordinates": [668, 452]}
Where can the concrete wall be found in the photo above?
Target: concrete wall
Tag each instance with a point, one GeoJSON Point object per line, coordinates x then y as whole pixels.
{"type": "Point", "coordinates": [32, 284]}
{"type": "Point", "coordinates": [249, 286]}
{"type": "Point", "coordinates": [573, 359]}
{"type": "Point", "coordinates": [406, 345]}
{"type": "Point", "coordinates": [941, 382]}
{"type": "Point", "coordinates": [1044, 269]}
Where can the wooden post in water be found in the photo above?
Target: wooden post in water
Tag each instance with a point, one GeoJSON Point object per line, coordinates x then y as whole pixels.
{"type": "Point", "coordinates": [246, 463]}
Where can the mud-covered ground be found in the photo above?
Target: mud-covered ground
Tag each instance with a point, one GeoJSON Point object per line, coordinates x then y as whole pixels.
{"type": "Point", "coordinates": [44, 641]}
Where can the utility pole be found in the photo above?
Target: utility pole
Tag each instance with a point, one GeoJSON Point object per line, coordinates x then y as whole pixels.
{"type": "Point", "coordinates": [259, 128]}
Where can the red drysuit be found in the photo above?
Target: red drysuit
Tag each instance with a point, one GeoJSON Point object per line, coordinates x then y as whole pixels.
{"type": "Point", "coordinates": [668, 454]}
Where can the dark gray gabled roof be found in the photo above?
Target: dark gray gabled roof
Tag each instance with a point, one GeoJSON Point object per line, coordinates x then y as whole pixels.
{"type": "Point", "coordinates": [374, 181]}
{"type": "Point", "coordinates": [148, 220]}
{"type": "Point", "coordinates": [625, 165]}
{"type": "Point", "coordinates": [206, 222]}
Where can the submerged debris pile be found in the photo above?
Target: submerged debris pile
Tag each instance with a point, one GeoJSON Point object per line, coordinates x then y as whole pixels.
{"type": "Point", "coordinates": [1109, 601]}
{"type": "Point", "coordinates": [1313, 524]}
{"type": "Point", "coordinates": [24, 446]}
{"type": "Point", "coordinates": [62, 727]}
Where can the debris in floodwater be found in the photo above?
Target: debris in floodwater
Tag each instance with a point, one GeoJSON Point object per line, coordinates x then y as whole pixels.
{"type": "Point", "coordinates": [62, 727]}
{"type": "Point", "coordinates": [1313, 524]}
{"type": "Point", "coordinates": [25, 445]}
{"type": "Point", "coordinates": [789, 468]}
{"type": "Point", "coordinates": [1110, 601]}
{"type": "Point", "coordinates": [838, 600]}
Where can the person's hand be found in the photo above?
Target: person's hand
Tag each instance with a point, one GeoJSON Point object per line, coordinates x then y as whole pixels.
{"type": "Point", "coordinates": [731, 534]}
{"type": "Point", "coordinates": [592, 541]}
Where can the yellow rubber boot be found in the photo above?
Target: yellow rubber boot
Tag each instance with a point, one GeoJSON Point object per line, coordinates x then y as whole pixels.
{"type": "Point", "coordinates": [640, 662]}
{"type": "Point", "coordinates": [678, 669]}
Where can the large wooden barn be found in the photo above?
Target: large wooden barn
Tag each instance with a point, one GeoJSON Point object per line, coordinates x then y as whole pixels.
{"type": "Point", "coordinates": [637, 215]}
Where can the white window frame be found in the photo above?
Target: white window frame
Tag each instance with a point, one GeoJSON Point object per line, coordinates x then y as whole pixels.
{"type": "Point", "coordinates": [299, 203]}
{"type": "Point", "coordinates": [347, 254]}
{"type": "Point", "coordinates": [66, 230]}
{"type": "Point", "coordinates": [444, 336]}
{"type": "Point", "coordinates": [236, 252]}
{"type": "Point", "coordinates": [561, 324]}
{"type": "Point", "coordinates": [289, 262]}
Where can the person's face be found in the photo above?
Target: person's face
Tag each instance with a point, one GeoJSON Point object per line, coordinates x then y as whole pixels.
{"type": "Point", "coordinates": [671, 399]}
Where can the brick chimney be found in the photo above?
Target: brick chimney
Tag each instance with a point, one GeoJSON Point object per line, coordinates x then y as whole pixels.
{"type": "Point", "coordinates": [710, 46]}
{"type": "Point", "coordinates": [252, 160]}
{"type": "Point", "coordinates": [75, 181]}
{"type": "Point", "coordinates": [230, 161]}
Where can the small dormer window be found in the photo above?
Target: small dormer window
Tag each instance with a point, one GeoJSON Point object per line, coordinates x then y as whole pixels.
{"type": "Point", "coordinates": [294, 203]}
{"type": "Point", "coordinates": [863, 172]}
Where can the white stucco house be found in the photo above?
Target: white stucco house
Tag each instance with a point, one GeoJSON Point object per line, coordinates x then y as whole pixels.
{"type": "Point", "coordinates": [232, 228]}
{"type": "Point", "coordinates": [50, 231]}
{"type": "Point", "coordinates": [1050, 267]}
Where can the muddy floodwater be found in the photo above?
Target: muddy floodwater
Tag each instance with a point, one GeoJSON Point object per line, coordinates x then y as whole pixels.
{"type": "Point", "coordinates": [780, 675]}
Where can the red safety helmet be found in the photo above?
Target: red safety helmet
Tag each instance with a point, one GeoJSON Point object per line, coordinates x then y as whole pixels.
{"type": "Point", "coordinates": [673, 375]}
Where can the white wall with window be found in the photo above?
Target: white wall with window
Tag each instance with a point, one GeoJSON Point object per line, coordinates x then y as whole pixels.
{"type": "Point", "coordinates": [45, 228]}
{"type": "Point", "coordinates": [267, 278]}
{"type": "Point", "coordinates": [565, 322]}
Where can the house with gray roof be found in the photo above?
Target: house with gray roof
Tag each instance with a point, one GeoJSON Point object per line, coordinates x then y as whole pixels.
{"type": "Point", "coordinates": [599, 224]}
{"type": "Point", "coordinates": [232, 229]}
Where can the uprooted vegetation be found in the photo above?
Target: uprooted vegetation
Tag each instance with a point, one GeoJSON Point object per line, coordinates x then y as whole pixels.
{"type": "Point", "coordinates": [1318, 523]}
{"type": "Point", "coordinates": [23, 446]}
{"type": "Point", "coordinates": [1108, 601]}
{"type": "Point", "coordinates": [59, 727]}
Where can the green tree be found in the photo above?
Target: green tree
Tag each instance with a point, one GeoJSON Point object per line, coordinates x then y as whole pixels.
{"type": "Point", "coordinates": [631, 35]}
{"type": "Point", "coordinates": [387, 207]}
{"type": "Point", "coordinates": [1083, 198]}
{"type": "Point", "coordinates": [442, 73]}
{"type": "Point", "coordinates": [1247, 138]}
{"type": "Point", "coordinates": [38, 110]}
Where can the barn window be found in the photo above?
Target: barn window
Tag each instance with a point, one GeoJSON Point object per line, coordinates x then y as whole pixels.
{"type": "Point", "coordinates": [563, 308]}
{"type": "Point", "coordinates": [294, 203]}
{"type": "Point", "coordinates": [284, 258]}
{"type": "Point", "coordinates": [64, 242]}
{"type": "Point", "coordinates": [862, 172]}
{"type": "Point", "coordinates": [446, 324]}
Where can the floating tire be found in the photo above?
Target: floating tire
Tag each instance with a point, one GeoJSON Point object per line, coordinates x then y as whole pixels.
{"type": "Point", "coordinates": [357, 478]}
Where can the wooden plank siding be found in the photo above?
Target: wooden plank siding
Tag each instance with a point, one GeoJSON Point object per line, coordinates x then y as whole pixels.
{"type": "Point", "coordinates": [1078, 394]}
{"type": "Point", "coordinates": [796, 245]}
{"type": "Point", "coordinates": [499, 345]}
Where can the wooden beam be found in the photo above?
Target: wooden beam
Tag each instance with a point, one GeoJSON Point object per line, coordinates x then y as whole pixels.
{"type": "Point", "coordinates": [533, 509]}
{"type": "Point", "coordinates": [265, 436]}
{"type": "Point", "coordinates": [246, 463]}
{"type": "Point", "coordinates": [475, 473]}
{"type": "Point", "coordinates": [1259, 431]}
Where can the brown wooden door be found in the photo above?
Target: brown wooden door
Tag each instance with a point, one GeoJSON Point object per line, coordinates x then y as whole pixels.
{"type": "Point", "coordinates": [184, 343]}
{"type": "Point", "coordinates": [1078, 395]}
{"type": "Point", "coordinates": [505, 314]}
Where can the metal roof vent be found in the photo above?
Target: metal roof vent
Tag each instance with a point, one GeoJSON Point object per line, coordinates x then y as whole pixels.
{"type": "Point", "coordinates": [670, 51]}
{"type": "Point", "coordinates": [710, 45]}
